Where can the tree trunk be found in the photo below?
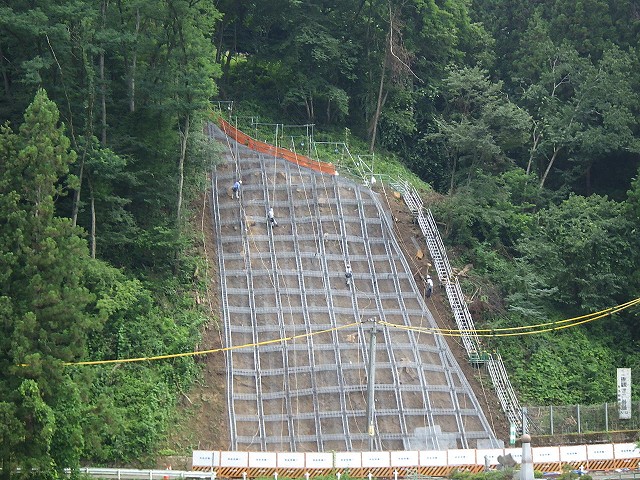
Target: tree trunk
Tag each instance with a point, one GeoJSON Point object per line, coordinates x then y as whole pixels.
{"type": "Point", "coordinates": [308, 103]}
{"type": "Point", "coordinates": [92, 240]}
{"type": "Point", "coordinates": [76, 193]}
{"type": "Point", "coordinates": [376, 115]}
{"type": "Point", "coordinates": [328, 111]}
{"type": "Point", "coordinates": [184, 136]}
{"type": "Point", "coordinates": [103, 88]}
{"type": "Point", "coordinates": [536, 139]}
{"type": "Point", "coordinates": [5, 77]}
{"type": "Point", "coordinates": [7, 467]}
{"type": "Point", "coordinates": [556, 149]}
{"type": "Point", "coordinates": [453, 174]}
{"type": "Point", "coordinates": [88, 66]}
{"type": "Point", "coordinates": [220, 41]}
{"type": "Point", "coordinates": [132, 71]}
{"type": "Point", "coordinates": [226, 66]}
{"type": "Point", "coordinates": [103, 103]}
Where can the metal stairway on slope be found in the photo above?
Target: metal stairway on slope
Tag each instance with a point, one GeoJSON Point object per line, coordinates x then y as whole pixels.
{"type": "Point", "coordinates": [495, 366]}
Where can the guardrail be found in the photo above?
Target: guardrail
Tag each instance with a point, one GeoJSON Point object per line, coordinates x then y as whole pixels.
{"type": "Point", "coordinates": [132, 474]}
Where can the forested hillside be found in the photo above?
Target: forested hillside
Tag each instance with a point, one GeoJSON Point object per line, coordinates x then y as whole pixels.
{"type": "Point", "coordinates": [521, 115]}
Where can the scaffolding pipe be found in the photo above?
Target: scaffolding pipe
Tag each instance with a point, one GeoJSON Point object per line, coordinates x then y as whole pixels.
{"type": "Point", "coordinates": [371, 384]}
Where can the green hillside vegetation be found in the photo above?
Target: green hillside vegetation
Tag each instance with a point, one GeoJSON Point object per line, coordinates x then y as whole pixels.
{"type": "Point", "coordinates": [521, 116]}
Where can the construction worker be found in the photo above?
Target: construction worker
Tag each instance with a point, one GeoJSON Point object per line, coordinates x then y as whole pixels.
{"type": "Point", "coordinates": [272, 218]}
{"type": "Point", "coordinates": [348, 274]}
{"type": "Point", "coordinates": [429, 286]}
{"type": "Point", "coordinates": [236, 189]}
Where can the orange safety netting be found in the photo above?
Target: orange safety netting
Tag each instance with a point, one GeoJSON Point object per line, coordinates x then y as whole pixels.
{"type": "Point", "coordinates": [244, 139]}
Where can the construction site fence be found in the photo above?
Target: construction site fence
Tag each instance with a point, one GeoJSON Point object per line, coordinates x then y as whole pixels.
{"type": "Point", "coordinates": [576, 419]}
{"type": "Point", "coordinates": [262, 147]}
{"type": "Point", "coordinates": [436, 463]}
{"type": "Point", "coordinates": [398, 473]}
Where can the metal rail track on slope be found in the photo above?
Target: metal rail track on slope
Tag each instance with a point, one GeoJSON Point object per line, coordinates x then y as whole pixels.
{"type": "Point", "coordinates": [376, 292]}
{"type": "Point", "coordinates": [305, 313]}
{"type": "Point", "coordinates": [252, 307]}
{"type": "Point", "coordinates": [445, 274]}
{"type": "Point", "coordinates": [426, 398]}
{"type": "Point", "coordinates": [347, 258]}
{"type": "Point", "coordinates": [354, 298]}
{"type": "Point", "coordinates": [332, 315]}
{"type": "Point", "coordinates": [217, 190]}
{"type": "Point", "coordinates": [506, 394]}
{"type": "Point", "coordinates": [278, 300]}
{"type": "Point", "coordinates": [215, 207]}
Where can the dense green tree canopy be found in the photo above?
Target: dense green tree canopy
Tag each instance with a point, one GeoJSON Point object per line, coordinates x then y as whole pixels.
{"type": "Point", "coordinates": [131, 82]}
{"type": "Point", "coordinates": [523, 115]}
{"type": "Point", "coordinates": [47, 314]}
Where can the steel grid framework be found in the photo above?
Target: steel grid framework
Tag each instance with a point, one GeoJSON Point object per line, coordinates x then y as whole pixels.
{"type": "Point", "coordinates": [308, 393]}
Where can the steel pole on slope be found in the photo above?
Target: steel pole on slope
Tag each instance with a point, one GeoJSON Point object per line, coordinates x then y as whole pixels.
{"type": "Point", "coordinates": [371, 384]}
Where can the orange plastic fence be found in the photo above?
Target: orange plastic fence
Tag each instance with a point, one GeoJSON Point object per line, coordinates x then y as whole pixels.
{"type": "Point", "coordinates": [262, 147]}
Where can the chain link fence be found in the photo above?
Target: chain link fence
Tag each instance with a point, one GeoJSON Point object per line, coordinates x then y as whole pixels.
{"type": "Point", "coordinates": [568, 419]}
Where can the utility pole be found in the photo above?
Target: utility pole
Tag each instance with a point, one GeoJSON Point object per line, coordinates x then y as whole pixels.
{"type": "Point", "coordinates": [371, 383]}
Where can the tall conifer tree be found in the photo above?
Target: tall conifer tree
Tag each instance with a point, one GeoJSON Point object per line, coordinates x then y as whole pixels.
{"type": "Point", "coordinates": [44, 305]}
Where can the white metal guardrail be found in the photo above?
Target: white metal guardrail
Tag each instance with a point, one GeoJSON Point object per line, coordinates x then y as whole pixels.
{"type": "Point", "coordinates": [133, 474]}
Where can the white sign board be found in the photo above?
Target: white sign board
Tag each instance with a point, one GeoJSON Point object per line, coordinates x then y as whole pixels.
{"type": "Point", "coordinates": [600, 452]}
{"type": "Point", "coordinates": [433, 458]}
{"type": "Point", "coordinates": [262, 460]}
{"type": "Point", "coordinates": [516, 453]}
{"type": "Point", "coordinates": [205, 458]}
{"type": "Point", "coordinates": [461, 457]}
{"type": "Point", "coordinates": [348, 460]}
{"type": "Point", "coordinates": [405, 459]}
{"type": "Point", "coordinates": [234, 459]}
{"type": "Point", "coordinates": [491, 455]}
{"type": "Point", "coordinates": [545, 454]}
{"type": "Point", "coordinates": [319, 460]}
{"type": "Point", "coordinates": [375, 459]}
{"type": "Point", "coordinates": [573, 453]}
{"type": "Point", "coordinates": [624, 393]}
{"type": "Point", "coordinates": [290, 459]}
{"type": "Point", "coordinates": [625, 450]}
